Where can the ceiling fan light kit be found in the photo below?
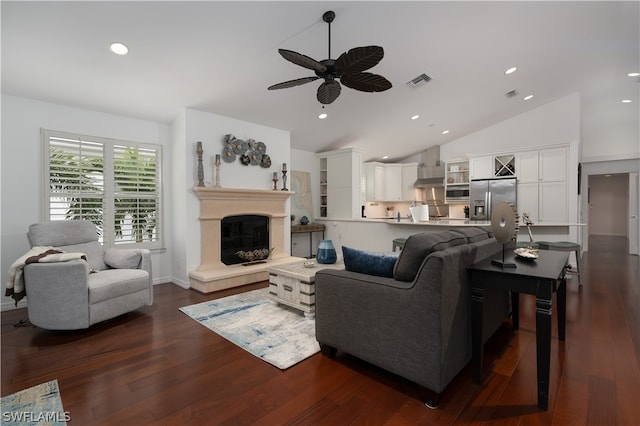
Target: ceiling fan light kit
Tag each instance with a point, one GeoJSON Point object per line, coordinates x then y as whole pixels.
{"type": "Point", "coordinates": [348, 68]}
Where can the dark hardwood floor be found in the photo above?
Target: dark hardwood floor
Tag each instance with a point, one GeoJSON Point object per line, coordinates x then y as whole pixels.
{"type": "Point", "coordinates": [158, 366]}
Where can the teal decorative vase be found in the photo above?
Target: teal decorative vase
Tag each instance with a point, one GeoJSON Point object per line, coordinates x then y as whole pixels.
{"type": "Point", "coordinates": [326, 252]}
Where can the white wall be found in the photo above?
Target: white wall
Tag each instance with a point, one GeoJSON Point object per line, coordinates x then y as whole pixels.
{"type": "Point", "coordinates": [306, 161]}
{"type": "Point", "coordinates": [179, 160]}
{"type": "Point", "coordinates": [554, 123]}
{"type": "Point", "coordinates": [210, 130]}
{"type": "Point", "coordinates": [22, 168]}
{"type": "Point", "coordinates": [619, 140]}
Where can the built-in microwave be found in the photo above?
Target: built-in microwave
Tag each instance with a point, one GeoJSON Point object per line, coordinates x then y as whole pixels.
{"type": "Point", "coordinates": [457, 193]}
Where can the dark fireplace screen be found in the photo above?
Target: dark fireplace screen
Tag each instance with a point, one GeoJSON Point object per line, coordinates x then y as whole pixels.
{"type": "Point", "coordinates": [243, 233]}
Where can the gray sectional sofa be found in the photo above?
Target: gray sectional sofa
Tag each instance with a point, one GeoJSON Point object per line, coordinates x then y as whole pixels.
{"type": "Point", "coordinates": [418, 323]}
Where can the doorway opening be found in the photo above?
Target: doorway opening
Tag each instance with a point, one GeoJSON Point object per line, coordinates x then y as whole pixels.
{"type": "Point", "coordinates": [612, 204]}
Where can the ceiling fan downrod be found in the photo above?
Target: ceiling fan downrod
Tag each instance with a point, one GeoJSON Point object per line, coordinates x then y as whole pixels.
{"type": "Point", "coordinates": [328, 17]}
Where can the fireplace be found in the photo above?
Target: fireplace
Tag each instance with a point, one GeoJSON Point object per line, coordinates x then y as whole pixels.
{"type": "Point", "coordinates": [247, 232]}
{"type": "Point", "coordinates": [217, 204]}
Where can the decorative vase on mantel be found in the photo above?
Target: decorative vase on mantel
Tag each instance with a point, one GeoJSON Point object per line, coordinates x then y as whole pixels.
{"type": "Point", "coordinates": [326, 252]}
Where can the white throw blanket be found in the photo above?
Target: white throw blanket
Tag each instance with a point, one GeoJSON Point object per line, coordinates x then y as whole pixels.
{"type": "Point", "coordinates": [38, 254]}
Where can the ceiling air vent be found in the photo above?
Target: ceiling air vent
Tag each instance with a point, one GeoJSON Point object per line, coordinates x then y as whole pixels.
{"type": "Point", "coordinates": [419, 81]}
{"type": "Point", "coordinates": [511, 93]}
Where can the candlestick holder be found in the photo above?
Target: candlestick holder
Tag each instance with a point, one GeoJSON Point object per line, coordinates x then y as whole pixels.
{"type": "Point", "coordinates": [217, 184]}
{"type": "Point", "coordinates": [275, 182]}
{"type": "Point", "coordinates": [284, 181]}
{"type": "Point", "coordinates": [200, 169]}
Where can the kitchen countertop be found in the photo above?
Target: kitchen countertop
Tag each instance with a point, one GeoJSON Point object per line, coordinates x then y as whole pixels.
{"type": "Point", "coordinates": [445, 222]}
{"type": "Point", "coordinates": [467, 222]}
{"type": "Point", "coordinates": [440, 222]}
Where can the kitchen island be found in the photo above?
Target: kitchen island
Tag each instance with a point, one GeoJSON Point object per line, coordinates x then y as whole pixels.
{"type": "Point", "coordinates": [378, 234]}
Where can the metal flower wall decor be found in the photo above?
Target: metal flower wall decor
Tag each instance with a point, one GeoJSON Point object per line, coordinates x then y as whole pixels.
{"type": "Point", "coordinates": [248, 152]}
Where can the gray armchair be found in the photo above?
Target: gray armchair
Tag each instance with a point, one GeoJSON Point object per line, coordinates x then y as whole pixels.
{"type": "Point", "coordinates": [77, 294]}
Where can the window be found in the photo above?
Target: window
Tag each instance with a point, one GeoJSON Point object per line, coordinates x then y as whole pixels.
{"type": "Point", "coordinates": [115, 184]}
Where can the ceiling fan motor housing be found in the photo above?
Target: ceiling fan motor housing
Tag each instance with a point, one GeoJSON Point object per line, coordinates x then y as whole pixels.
{"type": "Point", "coordinates": [331, 71]}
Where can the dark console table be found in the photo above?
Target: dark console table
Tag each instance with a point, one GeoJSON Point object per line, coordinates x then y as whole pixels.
{"type": "Point", "coordinates": [310, 229]}
{"type": "Point", "coordinates": [541, 277]}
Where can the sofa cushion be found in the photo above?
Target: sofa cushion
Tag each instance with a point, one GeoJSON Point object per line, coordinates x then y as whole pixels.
{"type": "Point", "coordinates": [418, 247]}
{"type": "Point", "coordinates": [368, 262]}
{"type": "Point", "coordinates": [62, 233]}
{"type": "Point", "coordinates": [122, 258]}
{"type": "Point", "coordinates": [473, 234]}
{"type": "Point", "coordinates": [112, 283]}
{"type": "Point", "coordinates": [93, 250]}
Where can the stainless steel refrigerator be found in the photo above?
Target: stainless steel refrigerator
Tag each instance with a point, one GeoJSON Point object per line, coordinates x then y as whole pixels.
{"type": "Point", "coordinates": [484, 194]}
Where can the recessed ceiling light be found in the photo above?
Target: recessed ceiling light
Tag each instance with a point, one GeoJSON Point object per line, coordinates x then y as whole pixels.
{"type": "Point", "coordinates": [415, 117]}
{"type": "Point", "coordinates": [444, 132]}
{"type": "Point", "coordinates": [322, 116]}
{"type": "Point", "coordinates": [510, 70]}
{"type": "Point", "coordinates": [528, 97]}
{"type": "Point", "coordinates": [384, 157]}
{"type": "Point", "coordinates": [626, 101]}
{"type": "Point", "coordinates": [634, 74]}
{"type": "Point", "coordinates": [119, 48]}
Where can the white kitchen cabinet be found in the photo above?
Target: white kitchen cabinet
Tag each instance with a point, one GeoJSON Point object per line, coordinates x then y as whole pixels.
{"type": "Point", "coordinates": [552, 165]}
{"type": "Point", "coordinates": [553, 204]}
{"type": "Point", "coordinates": [481, 167]}
{"type": "Point", "coordinates": [527, 200]}
{"type": "Point", "coordinates": [340, 173]}
{"type": "Point", "coordinates": [394, 183]}
{"type": "Point", "coordinates": [542, 185]}
{"type": "Point", "coordinates": [492, 166]}
{"type": "Point", "coordinates": [375, 176]}
{"type": "Point", "coordinates": [527, 166]}
{"type": "Point", "coordinates": [379, 179]}
{"type": "Point", "coordinates": [456, 173]}
{"type": "Point", "coordinates": [390, 182]}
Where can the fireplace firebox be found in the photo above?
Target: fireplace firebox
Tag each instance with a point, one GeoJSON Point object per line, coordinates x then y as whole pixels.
{"type": "Point", "coordinates": [242, 233]}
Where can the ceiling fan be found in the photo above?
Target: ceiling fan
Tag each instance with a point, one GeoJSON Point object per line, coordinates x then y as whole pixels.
{"type": "Point", "coordinates": [348, 68]}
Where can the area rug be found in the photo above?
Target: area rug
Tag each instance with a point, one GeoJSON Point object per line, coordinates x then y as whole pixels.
{"type": "Point", "coordinates": [275, 333]}
{"type": "Point", "coordinates": [39, 405]}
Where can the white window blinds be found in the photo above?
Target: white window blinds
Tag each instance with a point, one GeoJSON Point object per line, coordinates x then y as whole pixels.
{"type": "Point", "coordinates": [114, 184]}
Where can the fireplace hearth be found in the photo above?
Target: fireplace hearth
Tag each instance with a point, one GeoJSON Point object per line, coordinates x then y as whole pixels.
{"type": "Point", "coordinates": [217, 271]}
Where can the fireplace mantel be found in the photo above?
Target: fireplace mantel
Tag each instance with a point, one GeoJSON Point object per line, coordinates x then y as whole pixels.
{"type": "Point", "coordinates": [216, 204]}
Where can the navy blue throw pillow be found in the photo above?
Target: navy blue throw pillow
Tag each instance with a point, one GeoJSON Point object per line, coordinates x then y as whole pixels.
{"type": "Point", "coordinates": [370, 263]}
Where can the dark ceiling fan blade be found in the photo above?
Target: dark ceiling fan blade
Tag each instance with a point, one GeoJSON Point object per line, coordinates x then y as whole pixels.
{"type": "Point", "coordinates": [328, 92]}
{"type": "Point", "coordinates": [366, 82]}
{"type": "Point", "coordinates": [293, 83]}
{"type": "Point", "coordinates": [302, 60]}
{"type": "Point", "coordinates": [359, 59]}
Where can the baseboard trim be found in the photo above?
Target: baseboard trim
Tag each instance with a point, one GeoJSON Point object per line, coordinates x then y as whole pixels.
{"type": "Point", "coordinates": [10, 305]}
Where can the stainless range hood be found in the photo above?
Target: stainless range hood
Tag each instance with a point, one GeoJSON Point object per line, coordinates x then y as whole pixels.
{"type": "Point", "coordinates": [430, 170]}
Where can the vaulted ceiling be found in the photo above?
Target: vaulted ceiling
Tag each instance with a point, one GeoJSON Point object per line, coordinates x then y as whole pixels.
{"type": "Point", "coordinates": [220, 57]}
